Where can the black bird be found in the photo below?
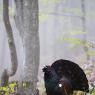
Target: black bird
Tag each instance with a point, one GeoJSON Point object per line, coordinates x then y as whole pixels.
{"type": "Point", "coordinates": [63, 77]}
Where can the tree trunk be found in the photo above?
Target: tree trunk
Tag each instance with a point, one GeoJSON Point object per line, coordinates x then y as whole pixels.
{"type": "Point", "coordinates": [30, 37]}
{"type": "Point", "coordinates": [84, 30]}
{"type": "Point", "coordinates": [19, 16]}
{"type": "Point", "coordinates": [6, 74]}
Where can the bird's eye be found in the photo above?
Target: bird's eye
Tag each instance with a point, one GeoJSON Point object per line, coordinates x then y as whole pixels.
{"type": "Point", "coordinates": [60, 85]}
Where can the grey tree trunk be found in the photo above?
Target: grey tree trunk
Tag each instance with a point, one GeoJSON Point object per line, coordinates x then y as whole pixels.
{"type": "Point", "coordinates": [84, 30]}
{"type": "Point", "coordinates": [6, 74]}
{"type": "Point", "coordinates": [27, 12]}
{"type": "Point", "coordinates": [19, 16]}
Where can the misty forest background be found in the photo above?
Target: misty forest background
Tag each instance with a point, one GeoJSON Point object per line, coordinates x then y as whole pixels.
{"type": "Point", "coordinates": [64, 29]}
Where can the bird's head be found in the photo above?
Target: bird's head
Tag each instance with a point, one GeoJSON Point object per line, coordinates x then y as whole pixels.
{"type": "Point", "coordinates": [49, 73]}
{"type": "Point", "coordinates": [47, 69]}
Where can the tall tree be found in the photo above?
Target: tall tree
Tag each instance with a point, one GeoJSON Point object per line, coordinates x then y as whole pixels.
{"type": "Point", "coordinates": [6, 74]}
{"type": "Point", "coordinates": [84, 29]}
{"type": "Point", "coordinates": [26, 19]}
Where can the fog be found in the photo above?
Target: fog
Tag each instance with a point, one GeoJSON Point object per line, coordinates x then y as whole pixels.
{"type": "Point", "coordinates": [60, 26]}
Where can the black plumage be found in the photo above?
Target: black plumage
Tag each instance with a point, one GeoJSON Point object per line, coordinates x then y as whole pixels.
{"type": "Point", "coordinates": [63, 77]}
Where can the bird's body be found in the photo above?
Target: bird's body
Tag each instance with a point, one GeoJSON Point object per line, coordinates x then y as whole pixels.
{"type": "Point", "coordinates": [63, 77]}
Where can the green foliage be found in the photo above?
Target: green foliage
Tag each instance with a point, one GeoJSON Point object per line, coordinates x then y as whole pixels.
{"type": "Point", "coordinates": [91, 52]}
{"type": "Point", "coordinates": [72, 40]}
{"type": "Point", "coordinates": [93, 93]}
{"type": "Point", "coordinates": [46, 2]}
{"type": "Point", "coordinates": [43, 17]}
{"type": "Point", "coordinates": [8, 89]}
{"type": "Point", "coordinates": [83, 93]}
{"type": "Point", "coordinates": [77, 42]}
{"type": "Point", "coordinates": [11, 88]}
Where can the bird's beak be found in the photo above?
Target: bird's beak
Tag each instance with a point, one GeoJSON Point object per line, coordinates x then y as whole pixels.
{"type": "Point", "coordinates": [44, 68]}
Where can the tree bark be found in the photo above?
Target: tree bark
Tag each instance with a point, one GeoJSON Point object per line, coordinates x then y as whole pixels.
{"type": "Point", "coordinates": [30, 38]}
{"type": "Point", "coordinates": [84, 30]}
{"type": "Point", "coordinates": [19, 16]}
{"type": "Point", "coordinates": [11, 42]}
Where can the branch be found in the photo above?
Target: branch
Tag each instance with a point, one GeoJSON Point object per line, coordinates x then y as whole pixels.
{"type": "Point", "coordinates": [10, 38]}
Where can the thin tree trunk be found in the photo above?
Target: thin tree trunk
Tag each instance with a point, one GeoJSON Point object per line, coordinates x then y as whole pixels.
{"type": "Point", "coordinates": [84, 29]}
{"type": "Point", "coordinates": [10, 41]}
